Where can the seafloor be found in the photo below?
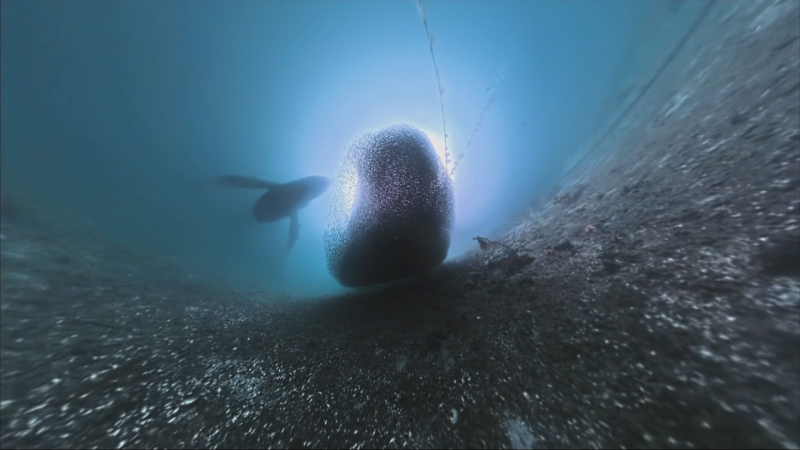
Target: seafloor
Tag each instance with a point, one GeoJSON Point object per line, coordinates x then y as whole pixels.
{"type": "Point", "coordinates": [661, 307]}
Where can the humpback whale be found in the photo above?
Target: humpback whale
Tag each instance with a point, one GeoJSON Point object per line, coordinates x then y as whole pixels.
{"type": "Point", "coordinates": [281, 200]}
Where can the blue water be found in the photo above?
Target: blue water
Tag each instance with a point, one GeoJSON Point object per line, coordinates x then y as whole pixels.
{"type": "Point", "coordinates": [117, 114]}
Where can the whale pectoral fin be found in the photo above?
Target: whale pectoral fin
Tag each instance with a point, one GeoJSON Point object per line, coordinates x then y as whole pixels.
{"type": "Point", "coordinates": [245, 182]}
{"type": "Point", "coordinates": [294, 229]}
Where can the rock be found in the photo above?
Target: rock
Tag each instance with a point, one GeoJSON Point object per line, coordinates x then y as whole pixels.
{"type": "Point", "coordinates": [611, 266]}
{"type": "Point", "coordinates": [564, 245]}
{"type": "Point", "coordinates": [511, 263]}
{"type": "Point", "coordinates": [392, 211]}
{"type": "Point", "coordinates": [781, 257]}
